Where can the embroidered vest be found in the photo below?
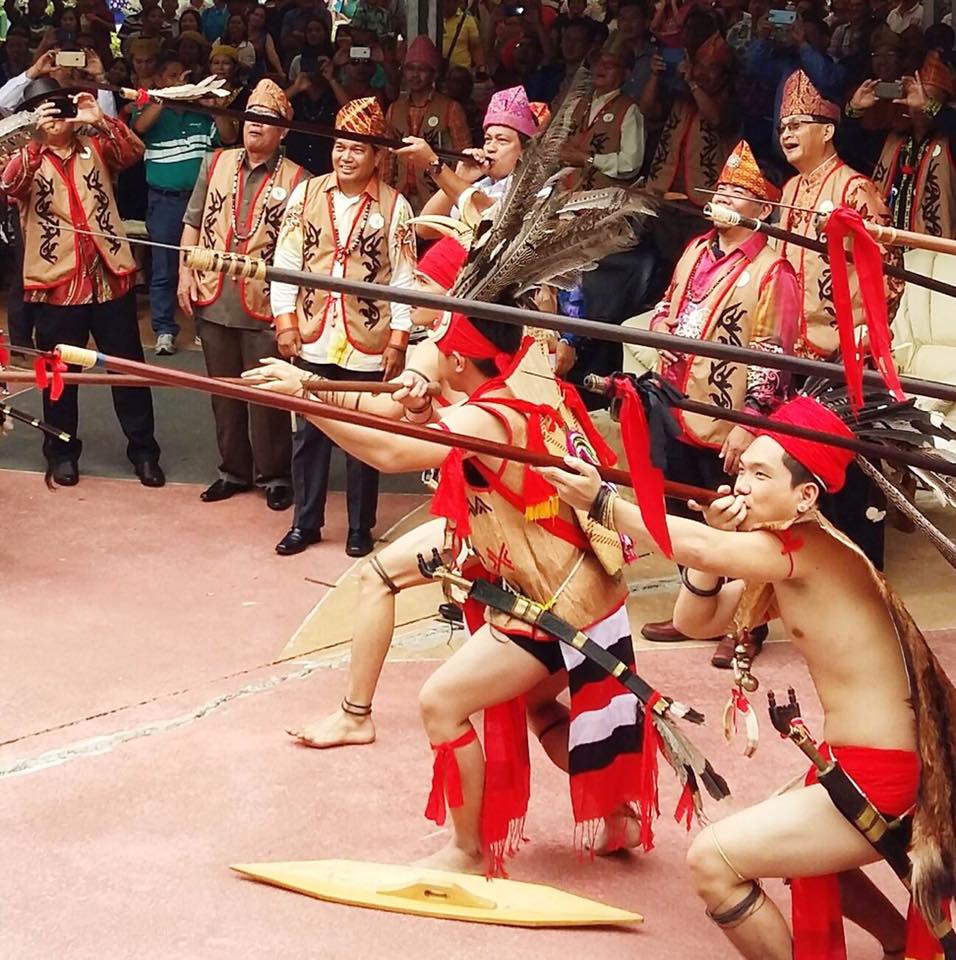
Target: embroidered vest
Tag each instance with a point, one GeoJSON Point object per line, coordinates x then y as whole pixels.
{"type": "Point", "coordinates": [216, 231]}
{"type": "Point", "coordinates": [724, 315]}
{"type": "Point", "coordinates": [538, 558]}
{"type": "Point", "coordinates": [603, 135]}
{"type": "Point", "coordinates": [78, 192]}
{"type": "Point", "coordinates": [690, 150]}
{"type": "Point", "coordinates": [818, 333]}
{"type": "Point", "coordinates": [927, 202]}
{"type": "Point", "coordinates": [412, 183]}
{"type": "Point", "coordinates": [367, 322]}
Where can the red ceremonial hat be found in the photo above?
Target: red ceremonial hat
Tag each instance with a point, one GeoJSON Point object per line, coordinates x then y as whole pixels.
{"type": "Point", "coordinates": [827, 463]}
{"type": "Point", "coordinates": [802, 99]}
{"type": "Point", "coordinates": [443, 261]}
{"type": "Point", "coordinates": [742, 170]}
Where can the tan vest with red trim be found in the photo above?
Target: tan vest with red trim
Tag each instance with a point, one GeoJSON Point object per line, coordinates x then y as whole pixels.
{"type": "Point", "coordinates": [367, 322]}
{"type": "Point", "coordinates": [216, 232]}
{"type": "Point", "coordinates": [729, 307]}
{"type": "Point", "coordinates": [408, 180]}
{"type": "Point", "coordinates": [818, 332]}
{"type": "Point", "coordinates": [602, 136]}
{"type": "Point", "coordinates": [77, 192]}
{"type": "Point", "coordinates": [933, 209]}
{"type": "Point", "coordinates": [691, 146]}
{"type": "Point", "coordinates": [524, 553]}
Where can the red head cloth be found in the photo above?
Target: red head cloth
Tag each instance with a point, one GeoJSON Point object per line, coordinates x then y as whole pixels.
{"type": "Point", "coordinates": [827, 463]}
{"type": "Point", "coordinates": [802, 99]}
{"type": "Point", "coordinates": [459, 335]}
{"type": "Point", "coordinates": [423, 51]}
{"type": "Point", "coordinates": [443, 262]}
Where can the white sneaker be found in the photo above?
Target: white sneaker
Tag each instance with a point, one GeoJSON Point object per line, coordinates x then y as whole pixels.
{"type": "Point", "coordinates": [165, 345]}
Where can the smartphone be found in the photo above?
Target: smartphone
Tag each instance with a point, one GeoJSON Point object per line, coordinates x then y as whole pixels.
{"type": "Point", "coordinates": [67, 108]}
{"type": "Point", "coordinates": [782, 18]}
{"type": "Point", "coordinates": [513, 10]}
{"type": "Point", "coordinates": [360, 53]}
{"type": "Point", "coordinates": [70, 58]}
{"type": "Point", "coordinates": [889, 90]}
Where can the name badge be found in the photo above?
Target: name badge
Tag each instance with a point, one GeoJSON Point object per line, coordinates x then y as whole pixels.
{"type": "Point", "coordinates": [937, 150]}
{"type": "Point", "coordinates": [608, 118]}
{"type": "Point", "coordinates": [278, 193]}
{"type": "Point", "coordinates": [85, 152]}
{"type": "Point", "coordinates": [376, 221]}
{"type": "Point", "coordinates": [827, 206]}
{"type": "Point", "coordinates": [743, 279]}
{"type": "Point", "coordinates": [433, 121]}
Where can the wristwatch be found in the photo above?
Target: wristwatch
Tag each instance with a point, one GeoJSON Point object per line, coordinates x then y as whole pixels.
{"type": "Point", "coordinates": [434, 168]}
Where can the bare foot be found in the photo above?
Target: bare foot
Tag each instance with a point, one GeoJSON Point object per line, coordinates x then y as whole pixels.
{"type": "Point", "coordinates": [452, 857]}
{"type": "Point", "coordinates": [625, 829]}
{"type": "Point", "coordinates": [338, 730]}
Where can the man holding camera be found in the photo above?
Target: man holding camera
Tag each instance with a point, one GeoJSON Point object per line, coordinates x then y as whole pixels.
{"type": "Point", "coordinates": [421, 111]}
{"type": "Point", "coordinates": [344, 224]}
{"type": "Point", "coordinates": [78, 285]}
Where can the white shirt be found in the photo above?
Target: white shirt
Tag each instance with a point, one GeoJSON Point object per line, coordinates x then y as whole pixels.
{"type": "Point", "coordinates": [11, 93]}
{"type": "Point", "coordinates": [492, 189]}
{"type": "Point", "coordinates": [333, 345]}
{"type": "Point", "coordinates": [627, 161]}
{"type": "Point", "coordinates": [898, 21]}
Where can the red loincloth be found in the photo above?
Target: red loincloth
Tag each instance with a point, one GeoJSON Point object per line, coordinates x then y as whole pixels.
{"type": "Point", "coordinates": [890, 780]}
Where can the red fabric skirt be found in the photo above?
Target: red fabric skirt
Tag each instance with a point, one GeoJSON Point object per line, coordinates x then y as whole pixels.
{"type": "Point", "coordinates": [890, 780]}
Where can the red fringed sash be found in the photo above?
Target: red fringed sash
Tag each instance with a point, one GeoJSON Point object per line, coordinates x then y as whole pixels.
{"type": "Point", "coordinates": [890, 779]}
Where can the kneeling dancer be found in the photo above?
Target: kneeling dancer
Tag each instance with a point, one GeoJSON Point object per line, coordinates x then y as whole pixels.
{"type": "Point", "coordinates": [888, 706]}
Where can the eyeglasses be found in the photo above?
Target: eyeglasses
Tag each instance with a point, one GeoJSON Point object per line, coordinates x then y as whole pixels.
{"type": "Point", "coordinates": [794, 126]}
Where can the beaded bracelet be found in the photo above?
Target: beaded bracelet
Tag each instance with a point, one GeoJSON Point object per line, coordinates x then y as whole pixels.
{"type": "Point", "coordinates": [699, 591]}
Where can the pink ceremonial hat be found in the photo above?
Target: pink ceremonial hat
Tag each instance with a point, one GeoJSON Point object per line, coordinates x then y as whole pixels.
{"type": "Point", "coordinates": [424, 51]}
{"type": "Point", "coordinates": [510, 108]}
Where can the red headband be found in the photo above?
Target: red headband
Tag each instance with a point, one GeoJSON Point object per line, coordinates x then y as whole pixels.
{"type": "Point", "coordinates": [461, 336]}
{"type": "Point", "coordinates": [827, 463]}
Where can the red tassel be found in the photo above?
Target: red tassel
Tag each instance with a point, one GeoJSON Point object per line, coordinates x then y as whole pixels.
{"type": "Point", "coordinates": [685, 807]}
{"type": "Point", "coordinates": [447, 776]}
{"type": "Point", "coordinates": [650, 806]}
{"type": "Point", "coordinates": [845, 222]}
{"type": "Point", "coordinates": [647, 480]}
{"type": "Point", "coordinates": [450, 500]}
{"type": "Point", "coordinates": [53, 366]}
{"type": "Point", "coordinates": [142, 97]}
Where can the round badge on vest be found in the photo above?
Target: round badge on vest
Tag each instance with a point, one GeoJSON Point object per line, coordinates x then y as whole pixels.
{"type": "Point", "coordinates": [743, 279]}
{"type": "Point", "coordinates": [827, 206]}
{"type": "Point", "coordinates": [937, 150]}
{"type": "Point", "coordinates": [376, 221]}
{"type": "Point", "coordinates": [433, 121]}
{"type": "Point", "coordinates": [85, 152]}
{"type": "Point", "coordinates": [278, 193]}
{"type": "Point", "coordinates": [608, 118]}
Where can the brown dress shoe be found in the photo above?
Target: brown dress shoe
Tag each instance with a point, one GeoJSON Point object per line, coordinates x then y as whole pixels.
{"type": "Point", "coordinates": [664, 632]}
{"type": "Point", "coordinates": [724, 654]}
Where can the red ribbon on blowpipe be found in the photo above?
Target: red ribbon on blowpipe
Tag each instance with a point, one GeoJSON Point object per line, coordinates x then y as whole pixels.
{"type": "Point", "coordinates": [647, 480]}
{"type": "Point", "coordinates": [49, 371]}
{"type": "Point", "coordinates": [4, 352]}
{"type": "Point", "coordinates": [845, 223]}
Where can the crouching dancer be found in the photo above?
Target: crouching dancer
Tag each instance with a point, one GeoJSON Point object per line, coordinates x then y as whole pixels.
{"type": "Point", "coordinates": [889, 709]}
{"type": "Point", "coordinates": [523, 537]}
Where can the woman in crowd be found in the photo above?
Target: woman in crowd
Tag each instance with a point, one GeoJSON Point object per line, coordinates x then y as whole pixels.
{"type": "Point", "coordinates": [189, 22]}
{"type": "Point", "coordinates": [267, 57]}
{"type": "Point", "coordinates": [193, 51]}
{"type": "Point", "coordinates": [317, 44]}
{"type": "Point", "coordinates": [236, 36]}
{"type": "Point", "coordinates": [314, 99]}
{"type": "Point", "coordinates": [224, 62]}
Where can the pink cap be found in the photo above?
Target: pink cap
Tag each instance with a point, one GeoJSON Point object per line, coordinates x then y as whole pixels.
{"type": "Point", "coordinates": [423, 50]}
{"type": "Point", "coordinates": [510, 108]}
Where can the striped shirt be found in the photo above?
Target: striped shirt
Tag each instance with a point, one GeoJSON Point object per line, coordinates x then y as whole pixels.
{"type": "Point", "coordinates": [175, 147]}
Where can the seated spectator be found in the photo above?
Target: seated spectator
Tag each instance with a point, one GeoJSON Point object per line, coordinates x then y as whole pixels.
{"type": "Point", "coordinates": [214, 20]}
{"type": "Point", "coordinates": [37, 22]}
{"type": "Point", "coordinates": [224, 63]}
{"type": "Point", "coordinates": [317, 45]}
{"type": "Point", "coordinates": [421, 111]}
{"type": "Point", "coordinates": [548, 83]}
{"type": "Point", "coordinates": [358, 81]}
{"type": "Point", "coordinates": [192, 50]}
{"type": "Point", "coordinates": [459, 85]}
{"type": "Point", "coordinates": [298, 13]}
{"type": "Point", "coordinates": [314, 100]}
{"type": "Point", "coordinates": [267, 57]}
{"type": "Point", "coordinates": [152, 21]}
{"type": "Point", "coordinates": [606, 146]}
{"type": "Point", "coordinates": [737, 24]}
{"type": "Point", "coordinates": [120, 74]}
{"type": "Point", "coordinates": [907, 13]}
{"type": "Point", "coordinates": [375, 17]}
{"type": "Point", "coordinates": [668, 21]}
{"type": "Point", "coordinates": [849, 39]}
{"type": "Point", "coordinates": [632, 26]}
{"type": "Point", "coordinates": [15, 56]}
{"type": "Point", "coordinates": [189, 22]}
{"type": "Point", "coordinates": [235, 36]}
{"type": "Point", "coordinates": [143, 57]}
{"type": "Point", "coordinates": [64, 32]}
{"type": "Point", "coordinates": [700, 127]}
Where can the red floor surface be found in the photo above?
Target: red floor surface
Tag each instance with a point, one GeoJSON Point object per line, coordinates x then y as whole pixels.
{"type": "Point", "coordinates": [119, 848]}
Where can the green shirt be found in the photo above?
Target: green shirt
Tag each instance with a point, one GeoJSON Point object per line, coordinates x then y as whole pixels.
{"type": "Point", "coordinates": [175, 146]}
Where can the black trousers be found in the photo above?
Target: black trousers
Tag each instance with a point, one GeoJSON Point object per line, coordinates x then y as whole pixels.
{"type": "Point", "coordinates": [311, 454]}
{"type": "Point", "coordinates": [114, 329]}
{"type": "Point", "coordinates": [847, 510]}
{"type": "Point", "coordinates": [255, 443]}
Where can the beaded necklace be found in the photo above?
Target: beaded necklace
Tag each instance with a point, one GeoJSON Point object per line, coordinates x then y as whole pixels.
{"type": "Point", "coordinates": [355, 234]}
{"type": "Point", "coordinates": [237, 233]}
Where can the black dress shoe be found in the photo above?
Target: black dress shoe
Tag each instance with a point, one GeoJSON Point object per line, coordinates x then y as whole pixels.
{"type": "Point", "coordinates": [451, 612]}
{"type": "Point", "coordinates": [296, 540]}
{"type": "Point", "coordinates": [150, 473]}
{"type": "Point", "coordinates": [359, 543]}
{"type": "Point", "coordinates": [65, 473]}
{"type": "Point", "coordinates": [222, 490]}
{"type": "Point", "coordinates": [279, 498]}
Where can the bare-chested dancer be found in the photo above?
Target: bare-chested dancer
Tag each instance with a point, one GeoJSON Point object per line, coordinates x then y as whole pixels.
{"type": "Point", "coordinates": [877, 681]}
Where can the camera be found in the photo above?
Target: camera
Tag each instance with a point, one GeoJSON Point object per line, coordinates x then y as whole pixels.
{"type": "Point", "coordinates": [360, 53]}
{"type": "Point", "coordinates": [71, 58]}
{"type": "Point", "coordinates": [889, 90]}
